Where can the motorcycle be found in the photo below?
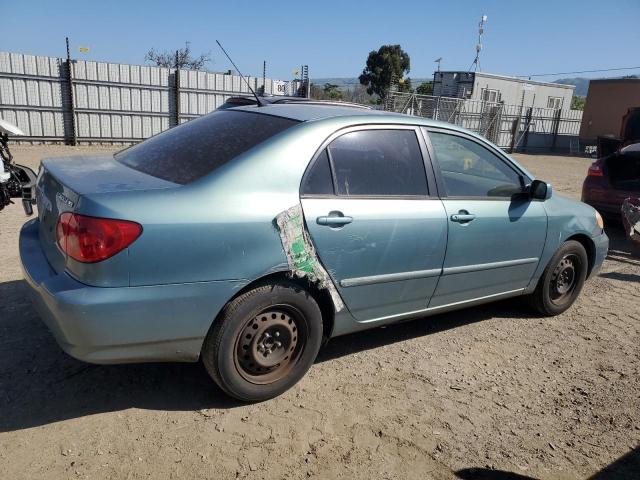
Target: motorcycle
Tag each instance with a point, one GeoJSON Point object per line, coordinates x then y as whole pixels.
{"type": "Point", "coordinates": [16, 181]}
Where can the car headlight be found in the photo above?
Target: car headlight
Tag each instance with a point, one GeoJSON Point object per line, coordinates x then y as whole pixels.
{"type": "Point", "coordinates": [599, 220]}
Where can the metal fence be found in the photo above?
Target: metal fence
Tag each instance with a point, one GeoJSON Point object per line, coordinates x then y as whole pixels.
{"type": "Point", "coordinates": [512, 127]}
{"type": "Point", "coordinates": [53, 100]}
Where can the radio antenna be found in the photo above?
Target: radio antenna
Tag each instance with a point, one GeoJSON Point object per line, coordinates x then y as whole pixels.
{"type": "Point", "coordinates": [260, 104]}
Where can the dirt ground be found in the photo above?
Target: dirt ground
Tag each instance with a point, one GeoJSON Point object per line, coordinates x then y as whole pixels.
{"type": "Point", "coordinates": [465, 394]}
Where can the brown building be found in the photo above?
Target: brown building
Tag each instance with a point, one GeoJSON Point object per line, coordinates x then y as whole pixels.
{"type": "Point", "coordinates": [607, 102]}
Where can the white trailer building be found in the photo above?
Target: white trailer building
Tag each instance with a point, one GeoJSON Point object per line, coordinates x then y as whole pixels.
{"type": "Point", "coordinates": [502, 89]}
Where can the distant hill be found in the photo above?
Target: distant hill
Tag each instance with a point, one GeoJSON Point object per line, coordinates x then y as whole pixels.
{"type": "Point", "coordinates": [581, 83]}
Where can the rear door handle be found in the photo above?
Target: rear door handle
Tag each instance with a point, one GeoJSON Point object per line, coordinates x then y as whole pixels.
{"type": "Point", "coordinates": [334, 219]}
{"type": "Point", "coordinates": [462, 217]}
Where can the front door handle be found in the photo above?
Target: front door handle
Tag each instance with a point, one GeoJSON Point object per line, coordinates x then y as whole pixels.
{"type": "Point", "coordinates": [334, 219]}
{"type": "Point", "coordinates": [462, 217]}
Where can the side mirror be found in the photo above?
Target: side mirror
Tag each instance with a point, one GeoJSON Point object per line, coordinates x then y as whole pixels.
{"type": "Point", "coordinates": [539, 190]}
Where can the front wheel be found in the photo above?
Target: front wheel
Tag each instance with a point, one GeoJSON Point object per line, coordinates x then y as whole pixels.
{"type": "Point", "coordinates": [562, 280]}
{"type": "Point", "coordinates": [264, 341]}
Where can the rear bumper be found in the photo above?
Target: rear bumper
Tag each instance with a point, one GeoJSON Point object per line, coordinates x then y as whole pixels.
{"type": "Point", "coordinates": [597, 192]}
{"type": "Point", "coordinates": [121, 324]}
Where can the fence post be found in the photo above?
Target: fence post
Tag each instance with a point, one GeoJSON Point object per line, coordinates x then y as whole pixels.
{"type": "Point", "coordinates": [68, 103]}
{"type": "Point", "coordinates": [556, 127]}
{"type": "Point", "coordinates": [529, 117]}
{"type": "Point", "coordinates": [435, 113]}
{"type": "Point", "coordinates": [177, 94]}
{"type": "Point", "coordinates": [174, 98]}
{"type": "Point", "coordinates": [174, 120]}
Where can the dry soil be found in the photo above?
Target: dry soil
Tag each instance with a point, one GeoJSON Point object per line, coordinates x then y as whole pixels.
{"type": "Point", "coordinates": [493, 388]}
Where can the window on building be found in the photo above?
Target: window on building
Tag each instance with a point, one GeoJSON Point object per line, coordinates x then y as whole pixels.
{"type": "Point", "coordinates": [554, 102]}
{"type": "Point", "coordinates": [491, 96]}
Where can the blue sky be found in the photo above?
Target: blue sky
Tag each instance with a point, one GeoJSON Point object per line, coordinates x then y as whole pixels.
{"type": "Point", "coordinates": [334, 37]}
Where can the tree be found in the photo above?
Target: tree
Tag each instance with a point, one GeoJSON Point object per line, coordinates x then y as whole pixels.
{"type": "Point", "coordinates": [425, 88]}
{"type": "Point", "coordinates": [332, 92]}
{"type": "Point", "coordinates": [181, 58]}
{"type": "Point", "coordinates": [577, 102]}
{"type": "Point", "coordinates": [388, 64]}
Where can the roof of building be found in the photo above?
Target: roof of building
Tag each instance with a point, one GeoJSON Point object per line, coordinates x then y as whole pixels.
{"type": "Point", "coordinates": [514, 79]}
{"type": "Point", "coordinates": [615, 80]}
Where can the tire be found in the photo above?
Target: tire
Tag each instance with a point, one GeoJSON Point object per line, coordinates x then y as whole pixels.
{"type": "Point", "coordinates": [562, 280]}
{"type": "Point", "coordinates": [264, 341]}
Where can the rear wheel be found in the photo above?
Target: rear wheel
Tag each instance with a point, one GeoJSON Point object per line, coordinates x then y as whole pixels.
{"type": "Point", "coordinates": [264, 341]}
{"type": "Point", "coordinates": [562, 280]}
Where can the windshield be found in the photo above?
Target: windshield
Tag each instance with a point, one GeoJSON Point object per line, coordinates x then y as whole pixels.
{"type": "Point", "coordinates": [192, 150]}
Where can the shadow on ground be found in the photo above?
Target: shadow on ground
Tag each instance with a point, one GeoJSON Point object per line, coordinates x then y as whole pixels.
{"type": "Point", "coordinates": [626, 467]}
{"type": "Point", "coordinates": [40, 384]}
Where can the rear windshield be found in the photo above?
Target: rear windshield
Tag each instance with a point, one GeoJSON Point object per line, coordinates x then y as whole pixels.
{"type": "Point", "coordinates": [192, 150]}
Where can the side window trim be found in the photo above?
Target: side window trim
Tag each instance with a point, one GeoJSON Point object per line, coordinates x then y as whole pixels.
{"type": "Point", "coordinates": [436, 187]}
{"type": "Point", "coordinates": [332, 169]}
{"type": "Point", "coordinates": [431, 179]}
{"type": "Point", "coordinates": [436, 166]}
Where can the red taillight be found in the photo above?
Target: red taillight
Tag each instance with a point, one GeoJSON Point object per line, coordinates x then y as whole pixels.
{"type": "Point", "coordinates": [91, 239]}
{"type": "Point", "coordinates": [595, 170]}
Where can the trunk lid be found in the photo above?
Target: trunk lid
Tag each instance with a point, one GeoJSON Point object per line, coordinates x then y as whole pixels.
{"type": "Point", "coordinates": [62, 183]}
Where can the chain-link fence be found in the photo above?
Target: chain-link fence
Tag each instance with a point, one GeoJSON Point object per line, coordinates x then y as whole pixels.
{"type": "Point", "coordinates": [512, 127]}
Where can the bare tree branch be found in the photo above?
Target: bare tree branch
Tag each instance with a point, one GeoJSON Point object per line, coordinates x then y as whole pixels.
{"type": "Point", "coordinates": [181, 58]}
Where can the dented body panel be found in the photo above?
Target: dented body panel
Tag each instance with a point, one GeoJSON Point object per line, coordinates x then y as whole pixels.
{"type": "Point", "coordinates": [205, 241]}
{"type": "Point", "coordinates": [386, 262]}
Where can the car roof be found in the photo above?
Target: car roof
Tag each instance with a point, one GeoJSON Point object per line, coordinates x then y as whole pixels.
{"type": "Point", "coordinates": [308, 111]}
{"type": "Point", "coordinates": [318, 110]}
{"type": "Point", "coordinates": [244, 100]}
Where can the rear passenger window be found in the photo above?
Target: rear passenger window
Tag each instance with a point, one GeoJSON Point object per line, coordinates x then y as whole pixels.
{"type": "Point", "coordinates": [318, 180]}
{"type": "Point", "coordinates": [378, 163]}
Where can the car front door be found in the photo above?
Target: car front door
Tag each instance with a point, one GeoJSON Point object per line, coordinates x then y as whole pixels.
{"type": "Point", "coordinates": [380, 231]}
{"type": "Point", "coordinates": [496, 233]}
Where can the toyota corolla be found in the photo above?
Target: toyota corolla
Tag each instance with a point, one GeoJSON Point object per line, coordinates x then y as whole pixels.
{"type": "Point", "coordinates": [248, 237]}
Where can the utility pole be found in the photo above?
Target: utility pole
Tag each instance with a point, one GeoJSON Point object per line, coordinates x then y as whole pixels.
{"type": "Point", "coordinates": [264, 77]}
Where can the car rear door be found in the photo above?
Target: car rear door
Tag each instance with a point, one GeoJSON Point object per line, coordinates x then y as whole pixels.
{"type": "Point", "coordinates": [496, 233]}
{"type": "Point", "coordinates": [379, 229]}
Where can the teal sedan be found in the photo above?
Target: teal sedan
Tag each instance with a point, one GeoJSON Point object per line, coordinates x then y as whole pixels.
{"type": "Point", "coordinates": [246, 238]}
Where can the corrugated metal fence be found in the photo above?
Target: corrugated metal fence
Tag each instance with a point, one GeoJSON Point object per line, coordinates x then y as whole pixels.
{"type": "Point", "coordinates": [109, 102]}
{"type": "Point", "coordinates": [512, 127]}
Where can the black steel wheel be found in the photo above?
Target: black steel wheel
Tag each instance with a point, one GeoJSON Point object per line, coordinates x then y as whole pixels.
{"type": "Point", "coordinates": [268, 346]}
{"type": "Point", "coordinates": [264, 341]}
{"type": "Point", "coordinates": [562, 279]}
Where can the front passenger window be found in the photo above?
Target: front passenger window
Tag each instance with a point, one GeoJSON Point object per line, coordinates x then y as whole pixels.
{"type": "Point", "coordinates": [470, 170]}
